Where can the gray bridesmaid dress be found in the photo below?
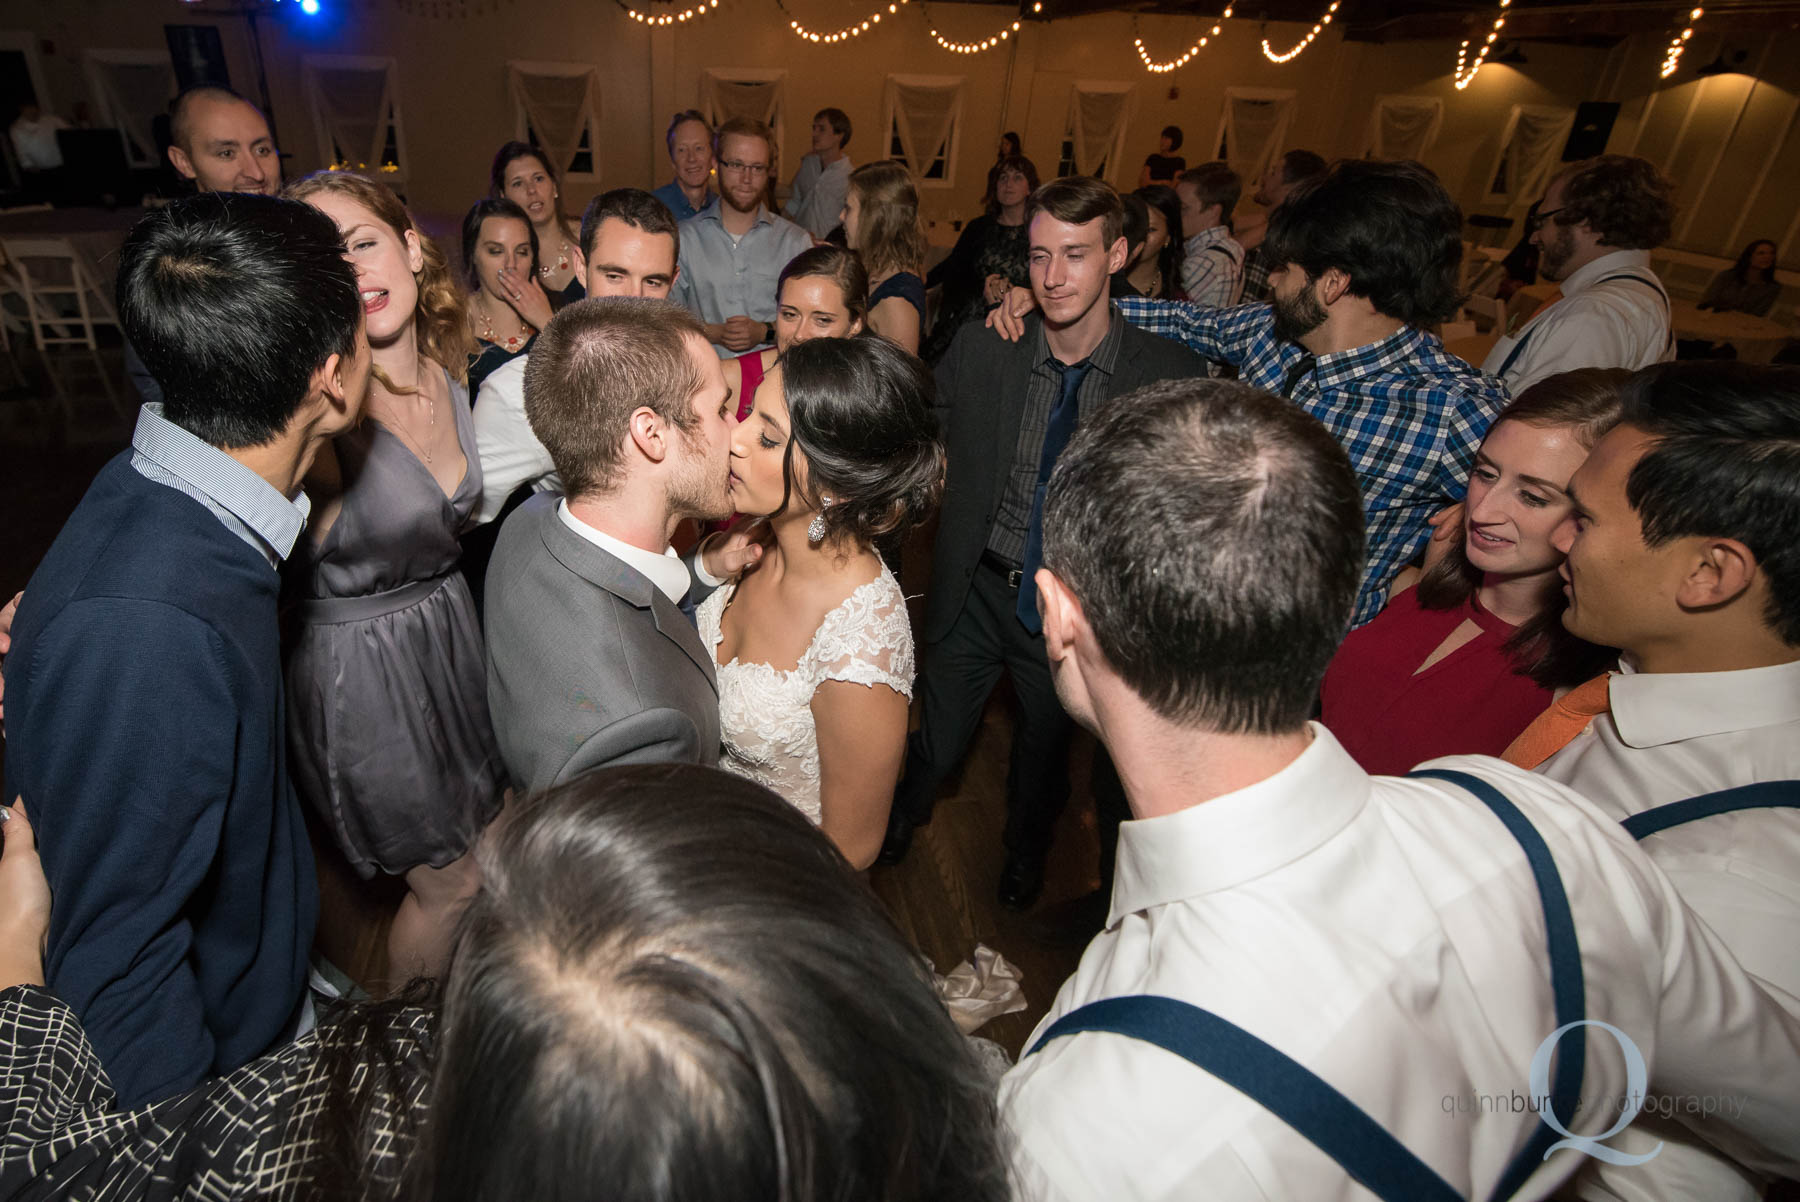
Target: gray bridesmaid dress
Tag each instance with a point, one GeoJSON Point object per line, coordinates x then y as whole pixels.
{"type": "Point", "coordinates": [387, 685]}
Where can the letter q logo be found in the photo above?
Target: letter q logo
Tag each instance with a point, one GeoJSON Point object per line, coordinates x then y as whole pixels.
{"type": "Point", "coordinates": [1636, 1078]}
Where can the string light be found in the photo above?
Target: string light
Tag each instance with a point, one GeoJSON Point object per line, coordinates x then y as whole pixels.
{"type": "Point", "coordinates": [1303, 43]}
{"type": "Point", "coordinates": [680, 18]}
{"type": "Point", "coordinates": [1673, 57]}
{"type": "Point", "coordinates": [848, 31]}
{"type": "Point", "coordinates": [987, 43]}
{"type": "Point", "coordinates": [1173, 64]}
{"type": "Point", "coordinates": [1463, 79]}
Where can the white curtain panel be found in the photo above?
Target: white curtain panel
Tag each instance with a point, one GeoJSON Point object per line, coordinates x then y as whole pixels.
{"type": "Point", "coordinates": [923, 115]}
{"type": "Point", "coordinates": [353, 105]}
{"type": "Point", "coordinates": [1529, 148]}
{"type": "Point", "coordinates": [724, 96]}
{"type": "Point", "coordinates": [1404, 127]}
{"type": "Point", "coordinates": [1254, 127]}
{"type": "Point", "coordinates": [560, 106]}
{"type": "Point", "coordinates": [134, 95]}
{"type": "Point", "coordinates": [1101, 111]}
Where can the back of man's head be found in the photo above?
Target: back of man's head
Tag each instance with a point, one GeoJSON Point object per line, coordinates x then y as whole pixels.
{"type": "Point", "coordinates": [1213, 183]}
{"type": "Point", "coordinates": [598, 362]}
{"type": "Point", "coordinates": [1625, 200]}
{"type": "Point", "coordinates": [1213, 535]}
{"type": "Point", "coordinates": [233, 301]}
{"type": "Point", "coordinates": [1302, 167]}
{"type": "Point", "coordinates": [1390, 227]}
{"type": "Point", "coordinates": [635, 207]}
{"type": "Point", "coordinates": [1077, 200]}
{"type": "Point", "coordinates": [1725, 463]}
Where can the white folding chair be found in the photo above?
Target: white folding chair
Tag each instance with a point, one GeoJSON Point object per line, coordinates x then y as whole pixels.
{"type": "Point", "coordinates": [49, 267]}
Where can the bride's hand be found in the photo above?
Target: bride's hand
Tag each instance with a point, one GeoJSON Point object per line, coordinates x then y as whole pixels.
{"type": "Point", "coordinates": [726, 555]}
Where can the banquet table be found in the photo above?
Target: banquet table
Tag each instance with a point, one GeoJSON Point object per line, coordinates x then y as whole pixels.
{"type": "Point", "coordinates": [1756, 339]}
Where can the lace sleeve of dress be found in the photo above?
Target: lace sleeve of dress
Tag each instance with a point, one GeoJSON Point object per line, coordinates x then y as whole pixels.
{"type": "Point", "coordinates": [50, 1082]}
{"type": "Point", "coordinates": [867, 640]}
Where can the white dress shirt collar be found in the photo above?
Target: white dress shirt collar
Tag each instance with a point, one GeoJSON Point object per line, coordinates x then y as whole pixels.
{"type": "Point", "coordinates": [666, 571]}
{"type": "Point", "coordinates": [1222, 843]}
{"type": "Point", "coordinates": [1605, 265]}
{"type": "Point", "coordinates": [1650, 709]}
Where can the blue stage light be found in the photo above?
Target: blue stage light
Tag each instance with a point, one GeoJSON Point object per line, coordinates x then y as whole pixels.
{"type": "Point", "coordinates": [310, 7]}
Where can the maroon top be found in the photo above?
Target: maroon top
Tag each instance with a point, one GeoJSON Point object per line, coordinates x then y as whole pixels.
{"type": "Point", "coordinates": [751, 365]}
{"type": "Point", "coordinates": [1471, 702]}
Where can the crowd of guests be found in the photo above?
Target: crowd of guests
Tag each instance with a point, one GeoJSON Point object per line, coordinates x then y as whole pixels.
{"type": "Point", "coordinates": [344, 597]}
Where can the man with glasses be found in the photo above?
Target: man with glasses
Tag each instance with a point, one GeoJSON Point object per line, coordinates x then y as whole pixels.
{"type": "Point", "coordinates": [732, 251]}
{"type": "Point", "coordinates": [1595, 228]}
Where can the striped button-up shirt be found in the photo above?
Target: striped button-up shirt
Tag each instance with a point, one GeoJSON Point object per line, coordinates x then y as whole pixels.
{"type": "Point", "coordinates": [1410, 415]}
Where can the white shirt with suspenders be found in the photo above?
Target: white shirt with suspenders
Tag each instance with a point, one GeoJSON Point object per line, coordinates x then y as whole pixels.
{"type": "Point", "coordinates": [1372, 965]}
{"type": "Point", "coordinates": [1667, 738]}
{"type": "Point", "coordinates": [1613, 312]}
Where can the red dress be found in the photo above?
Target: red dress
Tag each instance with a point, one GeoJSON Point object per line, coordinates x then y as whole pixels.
{"type": "Point", "coordinates": [1472, 701]}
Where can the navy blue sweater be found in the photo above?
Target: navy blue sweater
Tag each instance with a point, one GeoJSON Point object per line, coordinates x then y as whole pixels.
{"type": "Point", "coordinates": [145, 729]}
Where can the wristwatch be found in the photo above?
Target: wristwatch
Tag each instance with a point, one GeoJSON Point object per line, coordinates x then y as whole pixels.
{"type": "Point", "coordinates": [768, 332]}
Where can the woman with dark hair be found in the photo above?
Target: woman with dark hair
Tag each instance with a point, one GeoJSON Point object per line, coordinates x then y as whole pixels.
{"type": "Point", "coordinates": [669, 988]}
{"type": "Point", "coordinates": [1747, 286]}
{"type": "Point", "coordinates": [1009, 148]}
{"type": "Point", "coordinates": [822, 293]}
{"type": "Point", "coordinates": [881, 224]}
{"type": "Point", "coordinates": [1157, 273]}
{"type": "Point", "coordinates": [1463, 662]}
{"type": "Point", "coordinates": [988, 258]}
{"type": "Point", "coordinates": [522, 175]}
{"type": "Point", "coordinates": [813, 645]}
{"type": "Point", "coordinates": [1165, 166]}
{"type": "Point", "coordinates": [507, 306]}
{"type": "Point", "coordinates": [390, 742]}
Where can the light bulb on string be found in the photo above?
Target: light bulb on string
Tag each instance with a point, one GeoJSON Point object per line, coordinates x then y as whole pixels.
{"type": "Point", "coordinates": [1673, 57]}
{"type": "Point", "coordinates": [1174, 64]}
{"type": "Point", "coordinates": [1467, 70]}
{"type": "Point", "coordinates": [661, 20]}
{"type": "Point", "coordinates": [853, 30]}
{"type": "Point", "coordinates": [1294, 51]}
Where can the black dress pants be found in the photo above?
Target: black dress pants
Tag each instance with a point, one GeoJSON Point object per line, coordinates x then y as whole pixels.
{"type": "Point", "coordinates": [959, 672]}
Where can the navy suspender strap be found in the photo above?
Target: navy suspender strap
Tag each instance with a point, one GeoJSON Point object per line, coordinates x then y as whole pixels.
{"type": "Point", "coordinates": [1525, 336]}
{"type": "Point", "coordinates": [1568, 986]}
{"type": "Point", "coordinates": [1304, 1101]}
{"type": "Point", "coordinates": [1764, 795]}
{"type": "Point", "coordinates": [1270, 1077]}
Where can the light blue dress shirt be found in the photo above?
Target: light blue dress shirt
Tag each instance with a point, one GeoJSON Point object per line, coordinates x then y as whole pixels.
{"type": "Point", "coordinates": [245, 503]}
{"type": "Point", "coordinates": [724, 277]}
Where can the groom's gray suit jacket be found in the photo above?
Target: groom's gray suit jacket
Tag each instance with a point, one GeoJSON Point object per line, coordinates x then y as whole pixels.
{"type": "Point", "coordinates": [589, 663]}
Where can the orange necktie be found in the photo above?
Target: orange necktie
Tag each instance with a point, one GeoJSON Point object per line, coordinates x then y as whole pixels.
{"type": "Point", "coordinates": [1556, 727]}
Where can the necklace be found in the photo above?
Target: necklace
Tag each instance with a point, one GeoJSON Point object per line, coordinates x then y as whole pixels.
{"type": "Point", "coordinates": [421, 449]}
{"type": "Point", "coordinates": [512, 342]}
{"type": "Point", "coordinates": [562, 260]}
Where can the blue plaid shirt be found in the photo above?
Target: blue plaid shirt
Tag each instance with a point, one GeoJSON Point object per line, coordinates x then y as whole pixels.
{"type": "Point", "coordinates": [1410, 415]}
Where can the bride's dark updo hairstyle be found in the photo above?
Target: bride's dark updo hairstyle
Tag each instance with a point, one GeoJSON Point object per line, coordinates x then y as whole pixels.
{"type": "Point", "coordinates": [860, 410]}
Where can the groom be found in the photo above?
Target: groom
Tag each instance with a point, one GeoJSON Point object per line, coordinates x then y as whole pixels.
{"type": "Point", "coordinates": [593, 658]}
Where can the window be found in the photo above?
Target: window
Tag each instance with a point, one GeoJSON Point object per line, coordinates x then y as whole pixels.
{"type": "Point", "coordinates": [355, 103]}
{"type": "Point", "coordinates": [1094, 133]}
{"type": "Point", "coordinates": [556, 108]}
{"type": "Point", "coordinates": [727, 92]}
{"type": "Point", "coordinates": [132, 88]}
{"type": "Point", "coordinates": [1253, 129]}
{"type": "Point", "coordinates": [923, 119]}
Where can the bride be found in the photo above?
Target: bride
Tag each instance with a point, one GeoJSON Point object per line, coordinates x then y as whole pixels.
{"type": "Point", "coordinates": [812, 642]}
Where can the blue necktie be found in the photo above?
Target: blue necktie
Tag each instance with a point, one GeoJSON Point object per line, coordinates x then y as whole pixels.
{"type": "Point", "coordinates": [688, 609]}
{"type": "Point", "coordinates": [1058, 431]}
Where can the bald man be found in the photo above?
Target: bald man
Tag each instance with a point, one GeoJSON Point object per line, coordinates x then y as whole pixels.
{"type": "Point", "coordinates": [222, 143]}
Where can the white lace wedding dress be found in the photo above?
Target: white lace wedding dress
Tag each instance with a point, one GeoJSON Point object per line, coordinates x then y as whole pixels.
{"type": "Point", "coordinates": [765, 713]}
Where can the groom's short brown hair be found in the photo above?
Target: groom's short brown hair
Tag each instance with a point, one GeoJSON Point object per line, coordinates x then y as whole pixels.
{"type": "Point", "coordinates": [598, 362]}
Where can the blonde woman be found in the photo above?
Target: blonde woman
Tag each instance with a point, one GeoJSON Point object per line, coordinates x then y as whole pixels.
{"type": "Point", "coordinates": [387, 690]}
{"type": "Point", "coordinates": [881, 223]}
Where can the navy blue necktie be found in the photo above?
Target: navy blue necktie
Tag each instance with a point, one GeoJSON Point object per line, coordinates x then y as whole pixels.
{"type": "Point", "coordinates": [1058, 431]}
{"type": "Point", "coordinates": [687, 608]}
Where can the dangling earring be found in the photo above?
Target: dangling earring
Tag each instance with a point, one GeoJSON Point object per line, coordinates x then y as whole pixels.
{"type": "Point", "coordinates": [815, 529]}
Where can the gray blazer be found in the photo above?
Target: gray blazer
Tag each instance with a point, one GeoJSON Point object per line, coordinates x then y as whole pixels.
{"type": "Point", "coordinates": [589, 664]}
